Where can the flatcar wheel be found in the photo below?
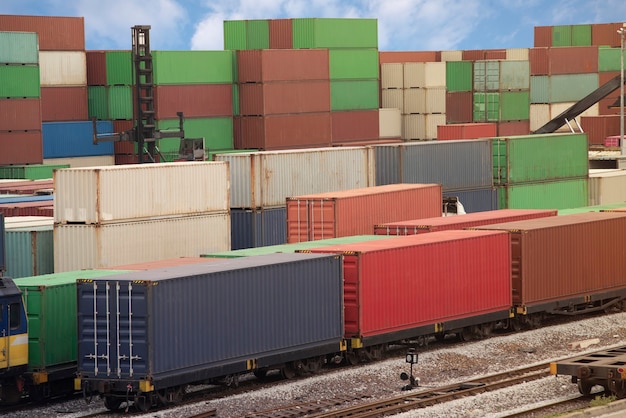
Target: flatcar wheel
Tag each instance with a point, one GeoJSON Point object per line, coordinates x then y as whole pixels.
{"type": "Point", "coordinates": [288, 371]}
{"type": "Point", "coordinates": [10, 394]}
{"type": "Point", "coordinates": [111, 403]}
{"type": "Point", "coordinates": [376, 352]}
{"type": "Point", "coordinates": [260, 373]}
{"type": "Point", "coordinates": [143, 403]}
{"type": "Point", "coordinates": [314, 365]}
{"type": "Point", "coordinates": [584, 387]}
{"type": "Point", "coordinates": [466, 334]}
{"type": "Point", "coordinates": [352, 358]}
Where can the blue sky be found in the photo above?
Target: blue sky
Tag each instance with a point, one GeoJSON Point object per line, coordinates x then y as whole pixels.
{"type": "Point", "coordinates": [402, 24]}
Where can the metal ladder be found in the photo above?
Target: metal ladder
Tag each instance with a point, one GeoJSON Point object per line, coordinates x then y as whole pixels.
{"type": "Point", "coordinates": [144, 87]}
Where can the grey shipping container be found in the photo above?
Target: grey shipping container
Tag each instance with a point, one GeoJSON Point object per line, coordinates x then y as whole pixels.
{"type": "Point", "coordinates": [257, 227]}
{"type": "Point", "coordinates": [476, 200]}
{"type": "Point", "coordinates": [156, 329]}
{"type": "Point", "coordinates": [387, 158]}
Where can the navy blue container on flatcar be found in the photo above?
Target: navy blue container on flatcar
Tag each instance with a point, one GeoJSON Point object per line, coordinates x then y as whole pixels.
{"type": "Point", "coordinates": [158, 328]}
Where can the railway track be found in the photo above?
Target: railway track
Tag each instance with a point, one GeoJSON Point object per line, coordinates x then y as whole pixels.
{"type": "Point", "coordinates": [560, 406]}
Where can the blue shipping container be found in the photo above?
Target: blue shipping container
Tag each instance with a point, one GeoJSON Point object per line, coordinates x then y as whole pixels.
{"type": "Point", "coordinates": [252, 228]}
{"type": "Point", "coordinates": [74, 139]}
{"type": "Point", "coordinates": [27, 198]}
{"type": "Point", "coordinates": [477, 200]}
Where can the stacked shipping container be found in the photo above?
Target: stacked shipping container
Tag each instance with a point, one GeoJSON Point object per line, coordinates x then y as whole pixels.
{"type": "Point", "coordinates": [29, 245]}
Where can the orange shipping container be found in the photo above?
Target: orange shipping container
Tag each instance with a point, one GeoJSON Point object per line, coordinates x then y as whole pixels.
{"type": "Point", "coordinates": [275, 98]}
{"type": "Point", "coordinates": [598, 128]}
{"type": "Point", "coordinates": [459, 107]}
{"type": "Point", "coordinates": [355, 125]}
{"type": "Point", "coordinates": [274, 132]}
{"type": "Point", "coordinates": [543, 36]}
{"type": "Point", "coordinates": [605, 34]}
{"type": "Point", "coordinates": [256, 66]}
{"type": "Point", "coordinates": [356, 211]}
{"type": "Point", "coordinates": [281, 34]}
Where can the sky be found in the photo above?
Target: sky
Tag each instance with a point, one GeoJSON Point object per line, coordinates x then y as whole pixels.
{"type": "Point", "coordinates": [403, 25]}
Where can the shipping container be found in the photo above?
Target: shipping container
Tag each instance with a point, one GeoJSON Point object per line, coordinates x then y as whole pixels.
{"type": "Point", "coordinates": [517, 54]}
{"type": "Point", "coordinates": [607, 187]}
{"type": "Point", "coordinates": [459, 76]}
{"type": "Point", "coordinates": [281, 34]}
{"type": "Point", "coordinates": [514, 75]}
{"type": "Point", "coordinates": [96, 68]}
{"type": "Point", "coordinates": [514, 105]}
{"type": "Point", "coordinates": [514, 128]}
{"type": "Point", "coordinates": [30, 172]}
{"type": "Point", "coordinates": [562, 35]}
{"type": "Point", "coordinates": [353, 64]}
{"type": "Point", "coordinates": [74, 139]}
{"type": "Point", "coordinates": [414, 101]}
{"type": "Point", "coordinates": [435, 102]}
{"type": "Point", "coordinates": [29, 249]}
{"type": "Point", "coordinates": [475, 200]}
{"type": "Point", "coordinates": [21, 148]}
{"type": "Point", "coordinates": [194, 100]}
{"type": "Point", "coordinates": [610, 104]}
{"type": "Point", "coordinates": [354, 94]}
{"type": "Point", "coordinates": [282, 65]}
{"type": "Point", "coordinates": [542, 36]}
{"type": "Point", "coordinates": [486, 75]}
{"type": "Point", "coordinates": [581, 35]}
{"type": "Point", "coordinates": [110, 102]}
{"type": "Point", "coordinates": [3, 264]}
{"type": "Point", "coordinates": [283, 325]}
{"type": "Point", "coordinates": [234, 34]}
{"type": "Point", "coordinates": [63, 68]}
{"type": "Point", "coordinates": [608, 59]}
{"type": "Point", "coordinates": [55, 33]}
{"type": "Point", "coordinates": [334, 33]}
{"type": "Point", "coordinates": [467, 131]}
{"type": "Point", "coordinates": [193, 67]}
{"type": "Point", "coordinates": [257, 227]}
{"type": "Point", "coordinates": [539, 61]}
{"type": "Point", "coordinates": [274, 132]}
{"type": "Point", "coordinates": [495, 54]}
{"type": "Point", "coordinates": [572, 87]}
{"type": "Point", "coordinates": [27, 209]}
{"type": "Point", "coordinates": [411, 56]}
{"type": "Point", "coordinates": [288, 97]}
{"type": "Point", "coordinates": [216, 131]}
{"type": "Point", "coordinates": [539, 116]}
{"type": "Point", "coordinates": [392, 75]}
{"type": "Point", "coordinates": [605, 34]}
{"type": "Point", "coordinates": [471, 55]}
{"type": "Point", "coordinates": [66, 103]}
{"type": "Point", "coordinates": [20, 115]}
{"type": "Point", "coordinates": [356, 211]}
{"type": "Point", "coordinates": [424, 74]}
{"type": "Point", "coordinates": [19, 81]}
{"type": "Point", "coordinates": [98, 195]}
{"type": "Point", "coordinates": [432, 122]}
{"type": "Point", "coordinates": [377, 307]}
{"type": "Point", "coordinates": [574, 60]}
{"type": "Point", "coordinates": [557, 109]}
{"type": "Point", "coordinates": [257, 34]}
{"type": "Point", "coordinates": [486, 107]}
{"type": "Point", "coordinates": [79, 246]}
{"type": "Point", "coordinates": [19, 48]}
{"type": "Point", "coordinates": [557, 194]}
{"type": "Point", "coordinates": [540, 89]}
{"type": "Point", "coordinates": [596, 208]}
{"type": "Point", "coordinates": [76, 162]}
{"type": "Point", "coordinates": [119, 68]}
{"type": "Point", "coordinates": [598, 128]}
{"type": "Point", "coordinates": [451, 55]}
{"type": "Point", "coordinates": [413, 127]}
{"type": "Point", "coordinates": [589, 254]}
{"type": "Point", "coordinates": [166, 263]}
{"type": "Point", "coordinates": [393, 99]}
{"type": "Point", "coordinates": [266, 179]}
{"type": "Point", "coordinates": [389, 123]}
{"type": "Point", "coordinates": [421, 226]}
{"type": "Point", "coordinates": [459, 107]}
{"type": "Point", "coordinates": [356, 125]}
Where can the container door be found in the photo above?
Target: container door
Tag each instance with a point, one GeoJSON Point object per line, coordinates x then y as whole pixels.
{"type": "Point", "coordinates": [94, 321]}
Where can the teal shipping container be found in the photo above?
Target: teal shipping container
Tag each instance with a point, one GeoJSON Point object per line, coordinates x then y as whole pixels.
{"type": "Point", "coordinates": [514, 105]}
{"type": "Point", "coordinates": [459, 76]}
{"type": "Point", "coordinates": [193, 67]}
{"type": "Point", "coordinates": [119, 65]}
{"type": "Point", "coordinates": [30, 172]}
{"type": "Point", "coordinates": [354, 94]}
{"type": "Point", "coordinates": [29, 251]}
{"type": "Point", "coordinates": [608, 59]}
{"type": "Point", "coordinates": [353, 64]}
{"type": "Point", "coordinates": [19, 48]}
{"type": "Point", "coordinates": [539, 89]}
{"type": "Point", "coordinates": [19, 81]}
{"type": "Point", "coordinates": [335, 33]}
{"type": "Point", "coordinates": [558, 194]}
{"type": "Point", "coordinates": [486, 107]}
{"type": "Point", "coordinates": [539, 158]}
{"type": "Point", "coordinates": [572, 87]}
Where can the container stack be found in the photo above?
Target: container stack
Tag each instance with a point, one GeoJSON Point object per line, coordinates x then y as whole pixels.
{"type": "Point", "coordinates": [548, 171]}
{"type": "Point", "coordinates": [20, 98]}
{"type": "Point", "coordinates": [116, 215]}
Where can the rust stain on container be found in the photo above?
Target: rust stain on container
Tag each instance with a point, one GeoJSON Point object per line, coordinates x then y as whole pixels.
{"type": "Point", "coordinates": [64, 103]}
{"type": "Point", "coordinates": [96, 68]}
{"type": "Point", "coordinates": [459, 107]}
{"type": "Point", "coordinates": [605, 34]}
{"type": "Point", "coordinates": [286, 131]}
{"type": "Point", "coordinates": [21, 148]}
{"type": "Point", "coordinates": [281, 34]}
{"type": "Point", "coordinates": [598, 128]}
{"type": "Point", "coordinates": [357, 125]}
{"type": "Point", "coordinates": [386, 57]}
{"type": "Point", "coordinates": [539, 61]}
{"type": "Point", "coordinates": [20, 115]}
{"type": "Point", "coordinates": [197, 100]}
{"type": "Point", "coordinates": [514, 128]}
{"type": "Point", "coordinates": [543, 36]}
{"type": "Point", "coordinates": [55, 33]}
{"type": "Point", "coordinates": [255, 66]}
{"type": "Point", "coordinates": [573, 60]}
{"type": "Point", "coordinates": [259, 99]}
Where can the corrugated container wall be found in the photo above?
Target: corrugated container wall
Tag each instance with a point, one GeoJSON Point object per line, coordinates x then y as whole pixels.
{"type": "Point", "coordinates": [275, 132]}
{"type": "Point", "coordinates": [607, 187]}
{"type": "Point", "coordinates": [193, 67]}
{"type": "Point", "coordinates": [257, 227]}
{"type": "Point", "coordinates": [29, 251]}
{"type": "Point", "coordinates": [63, 68]}
{"type": "Point", "coordinates": [74, 139]}
{"type": "Point", "coordinates": [19, 48]}
{"type": "Point", "coordinates": [266, 179]}
{"type": "Point", "coordinates": [335, 33]}
{"type": "Point", "coordinates": [20, 115]}
{"type": "Point", "coordinates": [54, 33]}
{"type": "Point", "coordinates": [558, 194]}
{"type": "Point", "coordinates": [19, 81]}
{"type": "Point", "coordinates": [281, 34]}
{"type": "Point", "coordinates": [400, 57]}
{"type": "Point", "coordinates": [257, 34]}
{"type": "Point", "coordinates": [74, 100]}
{"type": "Point", "coordinates": [234, 34]}
{"type": "Point", "coordinates": [21, 148]}
{"type": "Point", "coordinates": [114, 194]}
{"type": "Point", "coordinates": [262, 66]}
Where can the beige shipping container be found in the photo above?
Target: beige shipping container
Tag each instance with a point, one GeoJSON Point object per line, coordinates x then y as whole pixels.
{"type": "Point", "coordinates": [557, 108]}
{"type": "Point", "coordinates": [265, 179]}
{"type": "Point", "coordinates": [389, 123]}
{"type": "Point", "coordinates": [77, 162]}
{"type": "Point", "coordinates": [436, 100]}
{"type": "Point", "coordinates": [424, 74]}
{"type": "Point", "coordinates": [517, 54]}
{"type": "Point", "coordinates": [63, 68]}
{"type": "Point", "coordinates": [539, 116]}
{"type": "Point", "coordinates": [453, 55]}
{"type": "Point", "coordinates": [413, 127]}
{"type": "Point", "coordinates": [97, 195]}
{"type": "Point", "coordinates": [78, 247]}
{"type": "Point", "coordinates": [393, 99]}
{"type": "Point", "coordinates": [391, 76]}
{"type": "Point", "coordinates": [606, 187]}
{"type": "Point", "coordinates": [414, 101]}
{"type": "Point", "coordinates": [432, 121]}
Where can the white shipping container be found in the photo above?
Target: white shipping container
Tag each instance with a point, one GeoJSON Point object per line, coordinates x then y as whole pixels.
{"type": "Point", "coordinates": [391, 76]}
{"type": "Point", "coordinates": [414, 101]}
{"type": "Point", "coordinates": [432, 121]}
{"type": "Point", "coordinates": [539, 116]}
{"type": "Point", "coordinates": [436, 100]}
{"type": "Point", "coordinates": [517, 54]}
{"type": "Point", "coordinates": [606, 187]}
{"type": "Point", "coordinates": [13, 222]}
{"type": "Point", "coordinates": [97, 195]}
{"type": "Point", "coordinates": [78, 247]}
{"type": "Point", "coordinates": [63, 68]}
{"type": "Point", "coordinates": [389, 123]}
{"type": "Point", "coordinates": [454, 55]}
{"type": "Point", "coordinates": [393, 99]}
{"type": "Point", "coordinates": [88, 161]}
{"type": "Point", "coordinates": [267, 178]}
{"type": "Point", "coordinates": [557, 108]}
{"type": "Point", "coordinates": [435, 74]}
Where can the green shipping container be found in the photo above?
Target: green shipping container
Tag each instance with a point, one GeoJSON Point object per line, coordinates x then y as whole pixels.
{"type": "Point", "coordinates": [597, 208]}
{"type": "Point", "coordinates": [559, 194]}
{"type": "Point", "coordinates": [29, 251]}
{"type": "Point", "coordinates": [50, 301]}
{"type": "Point", "coordinates": [562, 35]}
{"type": "Point", "coordinates": [608, 59]}
{"type": "Point", "coordinates": [217, 134]}
{"type": "Point", "coordinates": [514, 75]}
{"type": "Point", "coordinates": [459, 76]}
{"type": "Point", "coordinates": [539, 158]}
{"type": "Point", "coordinates": [119, 68]}
{"type": "Point", "coordinates": [354, 94]}
{"type": "Point", "coordinates": [19, 48]}
{"type": "Point", "coordinates": [571, 87]}
{"type": "Point", "coordinates": [110, 102]}
{"type": "Point", "coordinates": [486, 107]}
{"type": "Point", "coordinates": [193, 67]}
{"type": "Point", "coordinates": [539, 89]}
{"type": "Point", "coordinates": [212, 153]}
{"type": "Point", "coordinates": [257, 34]}
{"type": "Point", "coordinates": [334, 33]}
{"type": "Point", "coordinates": [353, 64]}
{"type": "Point", "coordinates": [292, 248]}
{"type": "Point", "coordinates": [581, 35]}
{"type": "Point", "coordinates": [514, 105]}
{"type": "Point", "coordinates": [486, 75]}
{"type": "Point", "coordinates": [234, 34]}
{"type": "Point", "coordinates": [30, 172]}
{"type": "Point", "coordinates": [19, 81]}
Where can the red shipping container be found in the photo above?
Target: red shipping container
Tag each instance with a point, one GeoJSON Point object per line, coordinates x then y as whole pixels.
{"type": "Point", "coordinates": [260, 99]}
{"type": "Point", "coordinates": [573, 60]}
{"type": "Point", "coordinates": [385, 57]}
{"type": "Point", "coordinates": [355, 212]}
{"type": "Point", "coordinates": [495, 54]}
{"type": "Point", "coordinates": [539, 59]}
{"type": "Point", "coordinates": [25, 186]}
{"type": "Point", "coordinates": [120, 125]}
{"type": "Point", "coordinates": [60, 104]}
{"type": "Point", "coordinates": [514, 128]}
{"type": "Point", "coordinates": [598, 128]}
{"type": "Point", "coordinates": [565, 259]}
{"type": "Point", "coordinates": [387, 283]}
{"type": "Point", "coordinates": [444, 223]}
{"type": "Point", "coordinates": [356, 125]}
{"type": "Point", "coordinates": [459, 107]}
{"type": "Point", "coordinates": [467, 131]}
{"type": "Point", "coordinates": [20, 115]}
{"type": "Point", "coordinates": [276, 132]}
{"type": "Point", "coordinates": [96, 68]}
{"type": "Point", "coordinates": [281, 34]}
{"type": "Point", "coordinates": [27, 209]}
{"type": "Point", "coordinates": [473, 54]}
{"type": "Point", "coordinates": [256, 66]}
{"type": "Point", "coordinates": [543, 36]}
{"type": "Point", "coordinates": [21, 148]}
{"type": "Point", "coordinates": [197, 100]}
{"type": "Point", "coordinates": [55, 33]}
{"type": "Point", "coordinates": [605, 34]}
